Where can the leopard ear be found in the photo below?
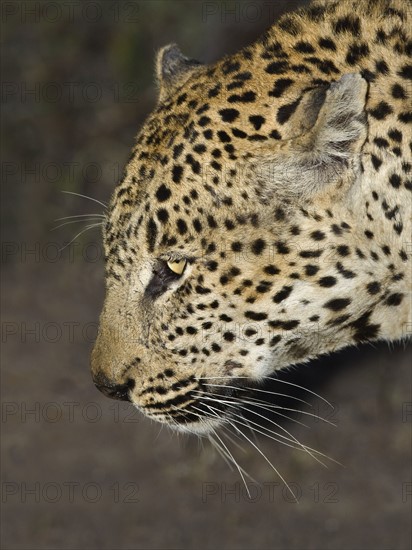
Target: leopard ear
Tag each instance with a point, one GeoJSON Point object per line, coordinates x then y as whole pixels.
{"type": "Point", "coordinates": [329, 148]}
{"type": "Point", "coordinates": [172, 69]}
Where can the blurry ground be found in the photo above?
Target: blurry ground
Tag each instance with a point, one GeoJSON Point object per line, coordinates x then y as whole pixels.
{"type": "Point", "coordinates": [80, 471]}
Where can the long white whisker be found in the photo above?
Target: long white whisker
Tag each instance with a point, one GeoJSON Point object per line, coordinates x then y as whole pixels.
{"type": "Point", "coordinates": [258, 403]}
{"type": "Point", "coordinates": [204, 413]}
{"type": "Point", "coordinates": [263, 433]}
{"type": "Point", "coordinates": [276, 435]}
{"type": "Point", "coordinates": [86, 197]}
{"type": "Point", "coordinates": [301, 445]}
{"type": "Point", "coordinates": [240, 470]}
{"type": "Point", "coordinates": [226, 432]}
{"type": "Point", "coordinates": [269, 378]}
{"type": "Point", "coordinates": [80, 216]}
{"type": "Point", "coordinates": [302, 388]}
{"type": "Point", "coordinates": [221, 451]}
{"type": "Point", "coordinates": [259, 391]}
{"type": "Point", "coordinates": [81, 233]}
{"type": "Point", "coordinates": [76, 221]}
{"type": "Point", "coordinates": [265, 457]}
{"type": "Point", "coordinates": [294, 410]}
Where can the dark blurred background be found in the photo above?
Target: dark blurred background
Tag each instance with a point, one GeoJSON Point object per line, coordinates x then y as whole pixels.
{"type": "Point", "coordinates": [80, 471]}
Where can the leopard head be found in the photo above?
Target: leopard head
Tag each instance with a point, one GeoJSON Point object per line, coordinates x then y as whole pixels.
{"type": "Point", "coordinates": [221, 237]}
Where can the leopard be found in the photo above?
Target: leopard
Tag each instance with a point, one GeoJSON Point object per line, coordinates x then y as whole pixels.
{"type": "Point", "coordinates": [264, 216]}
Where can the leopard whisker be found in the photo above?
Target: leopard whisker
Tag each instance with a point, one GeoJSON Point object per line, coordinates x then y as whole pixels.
{"type": "Point", "coordinates": [269, 407]}
{"type": "Point", "coordinates": [258, 403]}
{"type": "Point", "coordinates": [86, 197]}
{"type": "Point", "coordinates": [239, 468]}
{"type": "Point", "coordinates": [233, 405]}
{"type": "Point", "coordinates": [270, 378]}
{"type": "Point", "coordinates": [291, 439]}
{"type": "Point", "coordinates": [75, 221]}
{"type": "Point", "coordinates": [259, 391]}
{"type": "Point", "coordinates": [80, 233]}
{"type": "Point", "coordinates": [221, 452]}
{"type": "Point", "coordinates": [94, 215]}
{"type": "Point", "coordinates": [264, 456]}
{"type": "Point", "coordinates": [301, 445]}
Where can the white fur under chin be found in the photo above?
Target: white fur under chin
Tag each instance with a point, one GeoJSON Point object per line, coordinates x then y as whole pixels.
{"type": "Point", "coordinates": [203, 427]}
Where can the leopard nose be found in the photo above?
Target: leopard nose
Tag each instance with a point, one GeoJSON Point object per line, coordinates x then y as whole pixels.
{"type": "Point", "coordinates": [114, 391]}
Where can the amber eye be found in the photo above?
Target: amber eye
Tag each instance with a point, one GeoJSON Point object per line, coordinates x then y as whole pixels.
{"type": "Point", "coordinates": [177, 266]}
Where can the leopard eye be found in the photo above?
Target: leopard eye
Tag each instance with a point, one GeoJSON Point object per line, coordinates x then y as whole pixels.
{"type": "Point", "coordinates": [177, 267]}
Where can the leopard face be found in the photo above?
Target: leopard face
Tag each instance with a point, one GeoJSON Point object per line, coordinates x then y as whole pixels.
{"type": "Point", "coordinates": [248, 231]}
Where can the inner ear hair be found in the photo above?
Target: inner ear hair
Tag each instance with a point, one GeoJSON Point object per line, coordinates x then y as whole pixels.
{"type": "Point", "coordinates": [325, 153]}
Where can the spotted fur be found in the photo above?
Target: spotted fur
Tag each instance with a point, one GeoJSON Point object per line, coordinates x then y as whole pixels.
{"type": "Point", "coordinates": [282, 175]}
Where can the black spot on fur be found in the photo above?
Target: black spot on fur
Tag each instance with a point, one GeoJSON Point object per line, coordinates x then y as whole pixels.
{"type": "Point", "coordinates": [381, 111]}
{"type": "Point", "coordinates": [327, 44]}
{"type": "Point", "coordinates": [394, 299]}
{"type": "Point", "coordinates": [177, 173]}
{"type": "Point", "coordinates": [395, 181]}
{"type": "Point", "coordinates": [274, 134]}
{"type": "Point", "coordinates": [255, 316]}
{"type": "Point", "coordinates": [343, 250]}
{"type": "Point", "coordinates": [406, 72]}
{"type": "Point", "coordinates": [395, 135]}
{"type": "Point", "coordinates": [277, 67]}
{"type": "Point", "coordinates": [230, 67]}
{"type": "Point", "coordinates": [382, 67]}
{"type": "Point", "coordinates": [239, 133]}
{"type": "Point", "coordinates": [275, 340]}
{"type": "Point", "coordinates": [181, 226]}
{"type": "Point", "coordinates": [286, 111]}
{"type": "Point", "coordinates": [258, 246]}
{"type": "Point", "coordinates": [162, 215]}
{"type": "Point", "coordinates": [349, 24]}
{"type": "Point", "coordinates": [310, 253]}
{"type": "Point", "coordinates": [224, 136]}
{"type": "Point", "coordinates": [327, 282]}
{"type": "Point", "coordinates": [398, 92]}
{"type": "Point", "coordinates": [373, 288]}
{"type": "Point", "coordinates": [405, 117]}
{"type": "Point", "coordinates": [246, 97]}
{"type": "Point", "coordinates": [282, 294]}
{"type": "Point", "coordinates": [151, 234]}
{"type": "Point", "coordinates": [271, 270]}
{"type": "Point", "coordinates": [363, 330]}
{"type": "Point", "coordinates": [357, 52]}
{"type": "Point", "coordinates": [382, 143]}
{"type": "Point", "coordinates": [346, 273]}
{"type": "Point", "coordinates": [163, 193]}
{"type": "Point", "coordinates": [280, 87]}
{"type": "Point", "coordinates": [337, 304]}
{"type": "Point", "coordinates": [289, 25]}
{"type": "Point", "coordinates": [376, 162]}
{"type": "Point", "coordinates": [257, 121]}
{"type": "Point", "coordinates": [311, 270]}
{"type": "Point", "coordinates": [213, 92]}
{"type": "Point", "coordinates": [304, 47]}
{"type": "Point", "coordinates": [229, 115]}
{"type": "Point", "coordinates": [326, 66]}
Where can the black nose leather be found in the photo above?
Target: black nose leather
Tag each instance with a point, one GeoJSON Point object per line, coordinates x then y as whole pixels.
{"type": "Point", "coordinates": [120, 391]}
